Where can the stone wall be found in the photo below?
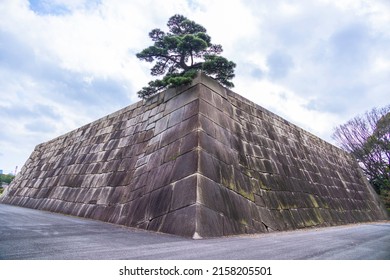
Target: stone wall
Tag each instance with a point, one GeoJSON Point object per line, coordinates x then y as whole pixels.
{"type": "Point", "coordinates": [197, 161]}
{"type": "Point", "coordinates": [259, 173]}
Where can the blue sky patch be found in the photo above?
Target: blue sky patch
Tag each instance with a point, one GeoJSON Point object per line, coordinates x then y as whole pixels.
{"type": "Point", "coordinates": [279, 64]}
{"type": "Point", "coordinates": [45, 7]}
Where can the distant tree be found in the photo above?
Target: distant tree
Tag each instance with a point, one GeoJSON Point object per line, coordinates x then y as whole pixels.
{"type": "Point", "coordinates": [367, 137]}
{"type": "Point", "coordinates": [6, 179]}
{"type": "Point", "coordinates": [180, 53]}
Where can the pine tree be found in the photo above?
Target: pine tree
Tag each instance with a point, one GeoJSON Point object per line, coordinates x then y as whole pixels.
{"type": "Point", "coordinates": [180, 53]}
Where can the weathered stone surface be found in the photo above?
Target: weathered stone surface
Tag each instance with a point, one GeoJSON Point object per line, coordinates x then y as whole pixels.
{"type": "Point", "coordinates": [208, 222]}
{"type": "Point", "coordinates": [181, 222]}
{"type": "Point", "coordinates": [184, 192]}
{"type": "Point", "coordinates": [197, 161]}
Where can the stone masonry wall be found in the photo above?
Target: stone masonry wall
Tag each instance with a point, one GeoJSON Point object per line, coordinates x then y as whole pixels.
{"type": "Point", "coordinates": [260, 173]}
{"type": "Point", "coordinates": [197, 161]}
{"type": "Point", "coordinates": [136, 167]}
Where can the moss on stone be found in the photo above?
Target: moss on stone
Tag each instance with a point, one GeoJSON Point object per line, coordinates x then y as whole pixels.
{"type": "Point", "coordinates": [242, 221]}
{"type": "Point", "coordinates": [263, 186]}
{"type": "Point", "coordinates": [248, 195]}
{"type": "Point", "coordinates": [310, 223]}
{"type": "Point", "coordinates": [174, 157]}
{"type": "Point", "coordinates": [319, 216]}
{"type": "Point", "coordinates": [314, 201]}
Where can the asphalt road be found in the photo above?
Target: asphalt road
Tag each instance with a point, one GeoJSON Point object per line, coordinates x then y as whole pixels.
{"type": "Point", "coordinates": [32, 234]}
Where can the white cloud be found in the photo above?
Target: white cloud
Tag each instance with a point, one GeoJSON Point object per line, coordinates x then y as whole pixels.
{"type": "Point", "coordinates": [226, 22]}
{"type": "Point", "coordinates": [289, 105]}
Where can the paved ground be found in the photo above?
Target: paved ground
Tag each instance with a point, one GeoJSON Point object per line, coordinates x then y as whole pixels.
{"type": "Point", "coordinates": [32, 234]}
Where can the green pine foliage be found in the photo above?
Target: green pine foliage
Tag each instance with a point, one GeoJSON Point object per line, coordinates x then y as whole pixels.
{"type": "Point", "coordinates": [180, 53]}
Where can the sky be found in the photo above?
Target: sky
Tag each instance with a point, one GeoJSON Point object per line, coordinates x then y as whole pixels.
{"type": "Point", "coordinates": [65, 63]}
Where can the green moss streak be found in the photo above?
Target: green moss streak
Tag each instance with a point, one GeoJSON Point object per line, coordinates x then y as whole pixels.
{"type": "Point", "coordinates": [314, 201]}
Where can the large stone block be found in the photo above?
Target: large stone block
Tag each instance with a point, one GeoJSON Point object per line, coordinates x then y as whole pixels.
{"type": "Point", "coordinates": [184, 192]}
{"type": "Point", "coordinates": [197, 161]}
